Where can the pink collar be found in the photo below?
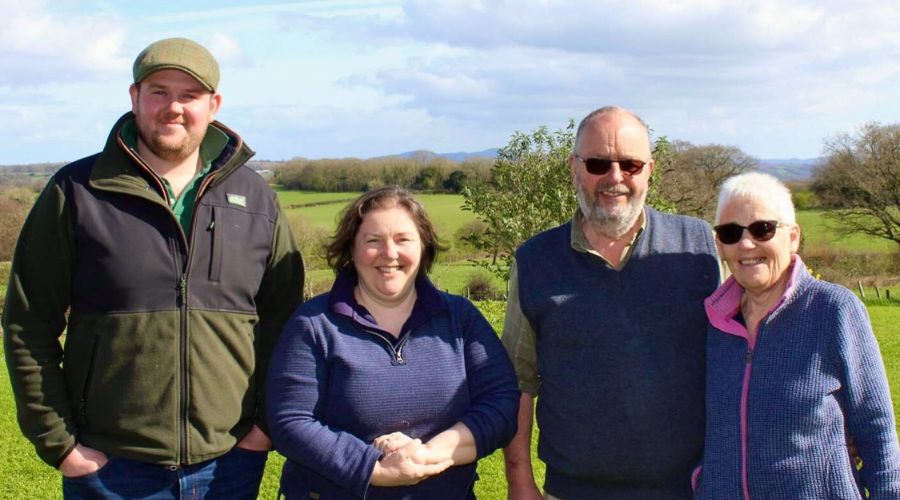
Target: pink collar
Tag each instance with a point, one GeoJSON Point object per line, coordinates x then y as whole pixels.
{"type": "Point", "coordinates": [724, 303]}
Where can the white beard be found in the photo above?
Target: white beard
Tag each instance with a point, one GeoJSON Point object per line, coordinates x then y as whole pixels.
{"type": "Point", "coordinates": [613, 223]}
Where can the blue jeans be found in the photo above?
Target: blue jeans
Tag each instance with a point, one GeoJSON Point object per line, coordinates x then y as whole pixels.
{"type": "Point", "coordinates": [236, 474]}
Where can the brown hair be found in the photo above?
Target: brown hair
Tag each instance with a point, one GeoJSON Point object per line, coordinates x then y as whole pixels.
{"type": "Point", "coordinates": [339, 252]}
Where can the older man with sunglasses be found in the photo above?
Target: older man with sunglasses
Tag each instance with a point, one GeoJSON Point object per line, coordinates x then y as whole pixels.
{"type": "Point", "coordinates": [605, 326]}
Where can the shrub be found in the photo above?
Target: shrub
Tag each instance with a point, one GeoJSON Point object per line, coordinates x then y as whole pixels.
{"type": "Point", "coordinates": [311, 239]}
{"type": "Point", "coordinates": [846, 268]}
{"type": "Point", "coordinates": [480, 286]}
{"type": "Point", "coordinates": [470, 235]}
{"type": "Point", "coordinates": [313, 287]}
{"type": "Point", "coordinates": [14, 206]}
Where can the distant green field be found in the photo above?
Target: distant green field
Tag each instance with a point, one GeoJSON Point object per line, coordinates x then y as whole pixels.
{"type": "Point", "coordinates": [447, 215]}
{"type": "Point", "coordinates": [443, 209]}
{"type": "Point", "coordinates": [815, 232]}
{"type": "Point", "coordinates": [288, 197]}
{"type": "Point", "coordinates": [450, 277]}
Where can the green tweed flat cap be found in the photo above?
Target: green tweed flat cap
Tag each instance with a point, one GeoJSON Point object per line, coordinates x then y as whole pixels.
{"type": "Point", "coordinates": [181, 54]}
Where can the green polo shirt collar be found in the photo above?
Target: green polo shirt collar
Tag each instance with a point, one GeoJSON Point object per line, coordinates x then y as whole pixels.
{"type": "Point", "coordinates": [579, 242]}
{"type": "Point", "coordinates": [182, 206]}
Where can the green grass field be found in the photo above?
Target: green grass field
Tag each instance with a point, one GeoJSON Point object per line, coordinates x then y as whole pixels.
{"type": "Point", "coordinates": [322, 209]}
{"type": "Point", "coordinates": [450, 277]}
{"type": "Point", "coordinates": [816, 233]}
{"type": "Point", "coordinates": [444, 210]}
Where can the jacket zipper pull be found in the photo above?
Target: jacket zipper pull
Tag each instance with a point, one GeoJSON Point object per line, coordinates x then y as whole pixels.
{"type": "Point", "coordinates": [212, 224]}
{"type": "Point", "coordinates": [749, 356]}
{"type": "Point", "coordinates": [182, 290]}
{"type": "Point", "coordinates": [399, 349]}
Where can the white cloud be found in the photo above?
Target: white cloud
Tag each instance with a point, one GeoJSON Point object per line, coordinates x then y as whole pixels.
{"type": "Point", "coordinates": [724, 68]}
{"type": "Point", "coordinates": [38, 45]}
{"type": "Point", "coordinates": [329, 78]}
{"type": "Point", "coordinates": [226, 49]}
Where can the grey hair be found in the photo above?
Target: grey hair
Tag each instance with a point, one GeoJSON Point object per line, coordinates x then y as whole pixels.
{"type": "Point", "coordinates": [759, 187]}
{"type": "Point", "coordinates": [606, 110]}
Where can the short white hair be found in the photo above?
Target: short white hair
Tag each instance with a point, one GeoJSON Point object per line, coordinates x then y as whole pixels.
{"type": "Point", "coordinates": [759, 187]}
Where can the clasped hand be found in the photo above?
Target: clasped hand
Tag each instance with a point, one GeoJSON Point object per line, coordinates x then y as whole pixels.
{"type": "Point", "coordinates": [405, 461]}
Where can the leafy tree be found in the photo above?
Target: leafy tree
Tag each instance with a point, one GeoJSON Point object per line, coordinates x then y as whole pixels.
{"type": "Point", "coordinates": [858, 182]}
{"type": "Point", "coordinates": [530, 190]}
{"type": "Point", "coordinates": [455, 181]}
{"type": "Point", "coordinates": [663, 157]}
{"type": "Point", "coordinates": [428, 179]}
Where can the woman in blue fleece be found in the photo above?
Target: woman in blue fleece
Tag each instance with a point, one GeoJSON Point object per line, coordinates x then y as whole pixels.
{"type": "Point", "coordinates": [386, 387]}
{"type": "Point", "coordinates": [793, 369]}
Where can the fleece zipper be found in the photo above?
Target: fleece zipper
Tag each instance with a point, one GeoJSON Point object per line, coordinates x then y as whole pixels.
{"type": "Point", "coordinates": [745, 391]}
{"type": "Point", "coordinates": [183, 274]}
{"type": "Point", "coordinates": [183, 309]}
{"type": "Point", "coordinates": [397, 350]}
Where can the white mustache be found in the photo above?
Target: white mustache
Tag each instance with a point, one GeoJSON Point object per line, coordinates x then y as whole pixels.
{"type": "Point", "coordinates": [614, 189]}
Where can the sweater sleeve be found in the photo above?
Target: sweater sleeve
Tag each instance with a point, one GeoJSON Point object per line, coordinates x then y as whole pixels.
{"type": "Point", "coordinates": [280, 292]}
{"type": "Point", "coordinates": [35, 316]}
{"type": "Point", "coordinates": [494, 393]}
{"type": "Point", "coordinates": [297, 385]}
{"type": "Point", "coordinates": [870, 415]}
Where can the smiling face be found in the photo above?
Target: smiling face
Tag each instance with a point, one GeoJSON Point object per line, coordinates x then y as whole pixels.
{"type": "Point", "coordinates": [612, 202]}
{"type": "Point", "coordinates": [387, 252]}
{"type": "Point", "coordinates": [172, 111]}
{"type": "Point", "coordinates": [758, 266]}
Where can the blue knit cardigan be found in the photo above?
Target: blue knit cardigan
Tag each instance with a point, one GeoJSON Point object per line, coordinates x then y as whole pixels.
{"type": "Point", "coordinates": [778, 413]}
{"type": "Point", "coordinates": [337, 381]}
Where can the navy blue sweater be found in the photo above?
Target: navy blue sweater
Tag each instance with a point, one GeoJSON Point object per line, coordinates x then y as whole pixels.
{"type": "Point", "coordinates": [778, 412]}
{"type": "Point", "coordinates": [337, 381]}
{"type": "Point", "coordinates": [620, 356]}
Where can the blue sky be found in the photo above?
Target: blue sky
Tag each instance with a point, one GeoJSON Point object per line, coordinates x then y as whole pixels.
{"type": "Point", "coordinates": [366, 78]}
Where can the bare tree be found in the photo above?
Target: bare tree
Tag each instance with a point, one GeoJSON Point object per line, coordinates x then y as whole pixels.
{"type": "Point", "coordinates": [691, 178]}
{"type": "Point", "coordinates": [858, 182]}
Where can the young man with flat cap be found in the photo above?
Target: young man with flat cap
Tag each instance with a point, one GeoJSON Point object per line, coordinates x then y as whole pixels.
{"type": "Point", "coordinates": [170, 267]}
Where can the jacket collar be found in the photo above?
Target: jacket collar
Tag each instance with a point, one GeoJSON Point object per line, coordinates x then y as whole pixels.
{"type": "Point", "coordinates": [118, 168]}
{"type": "Point", "coordinates": [725, 302]}
{"type": "Point", "coordinates": [341, 300]}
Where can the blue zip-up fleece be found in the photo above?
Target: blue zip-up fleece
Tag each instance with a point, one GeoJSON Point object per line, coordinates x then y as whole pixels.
{"type": "Point", "coordinates": [337, 381]}
{"type": "Point", "coordinates": [778, 413]}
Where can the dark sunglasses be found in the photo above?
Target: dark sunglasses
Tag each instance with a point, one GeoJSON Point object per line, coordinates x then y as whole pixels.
{"type": "Point", "coordinates": [600, 166]}
{"type": "Point", "coordinates": [761, 230]}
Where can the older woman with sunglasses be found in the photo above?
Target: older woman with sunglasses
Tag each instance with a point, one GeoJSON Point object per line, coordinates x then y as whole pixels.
{"type": "Point", "coordinates": [793, 369]}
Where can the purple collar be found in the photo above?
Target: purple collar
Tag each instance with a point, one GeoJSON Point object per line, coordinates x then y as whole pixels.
{"type": "Point", "coordinates": [342, 301]}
